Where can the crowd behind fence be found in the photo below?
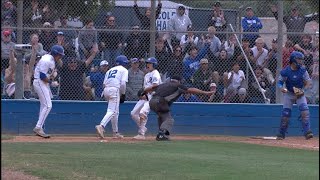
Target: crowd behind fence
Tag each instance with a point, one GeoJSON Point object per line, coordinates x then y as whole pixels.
{"type": "Point", "coordinates": [207, 57]}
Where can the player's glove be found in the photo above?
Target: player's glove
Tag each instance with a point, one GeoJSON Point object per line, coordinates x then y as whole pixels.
{"type": "Point", "coordinates": [122, 98]}
{"type": "Point", "coordinates": [298, 92]}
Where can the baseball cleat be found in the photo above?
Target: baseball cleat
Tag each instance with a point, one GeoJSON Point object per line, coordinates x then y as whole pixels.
{"type": "Point", "coordinates": [162, 137]}
{"type": "Point", "coordinates": [139, 137]}
{"type": "Point", "coordinates": [100, 131]}
{"type": "Point", "coordinates": [309, 135]}
{"type": "Point", "coordinates": [117, 136]}
{"type": "Point", "coordinates": [39, 132]}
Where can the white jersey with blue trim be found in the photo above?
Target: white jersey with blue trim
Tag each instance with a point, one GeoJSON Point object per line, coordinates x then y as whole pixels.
{"type": "Point", "coordinates": [152, 78]}
{"type": "Point", "coordinates": [115, 76]}
{"type": "Point", "coordinates": [45, 65]}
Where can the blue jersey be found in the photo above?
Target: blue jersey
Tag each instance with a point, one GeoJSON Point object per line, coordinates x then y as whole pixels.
{"type": "Point", "coordinates": [97, 82]}
{"type": "Point", "coordinates": [294, 78]}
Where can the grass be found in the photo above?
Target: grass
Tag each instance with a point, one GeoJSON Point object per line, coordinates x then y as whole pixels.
{"type": "Point", "coordinates": [160, 160]}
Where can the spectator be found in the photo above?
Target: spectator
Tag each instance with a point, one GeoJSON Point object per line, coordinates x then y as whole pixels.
{"type": "Point", "coordinates": [312, 94]}
{"type": "Point", "coordinates": [6, 45]}
{"type": "Point", "coordinates": [87, 39]}
{"type": "Point", "coordinates": [111, 41]}
{"type": "Point", "coordinates": [34, 40]}
{"type": "Point", "coordinates": [188, 40]}
{"type": "Point", "coordinates": [163, 57]}
{"type": "Point", "coordinates": [135, 47]}
{"type": "Point", "coordinates": [33, 15]}
{"type": "Point", "coordinates": [260, 53]}
{"type": "Point", "coordinates": [234, 81]}
{"type": "Point", "coordinates": [191, 62]}
{"type": "Point", "coordinates": [68, 48]}
{"type": "Point", "coordinates": [255, 93]}
{"type": "Point", "coordinates": [187, 97]}
{"type": "Point", "coordinates": [135, 81]}
{"type": "Point", "coordinates": [176, 67]}
{"type": "Point", "coordinates": [145, 22]}
{"type": "Point", "coordinates": [240, 57]}
{"type": "Point", "coordinates": [69, 34]}
{"type": "Point", "coordinates": [202, 78]}
{"type": "Point", "coordinates": [72, 76]}
{"type": "Point", "coordinates": [216, 96]}
{"type": "Point", "coordinates": [48, 15]}
{"type": "Point", "coordinates": [47, 36]}
{"type": "Point", "coordinates": [218, 21]}
{"type": "Point", "coordinates": [306, 47]}
{"type": "Point", "coordinates": [28, 67]}
{"type": "Point", "coordinates": [272, 58]}
{"type": "Point", "coordinates": [179, 23]}
{"type": "Point", "coordinates": [295, 22]}
{"type": "Point", "coordinates": [286, 51]}
{"type": "Point", "coordinates": [7, 27]}
{"type": "Point", "coordinates": [251, 23]}
{"type": "Point", "coordinates": [241, 97]}
{"type": "Point", "coordinates": [9, 13]}
{"type": "Point", "coordinates": [221, 66]}
{"type": "Point", "coordinates": [215, 45]}
{"type": "Point", "coordinates": [94, 82]}
{"type": "Point", "coordinates": [230, 45]}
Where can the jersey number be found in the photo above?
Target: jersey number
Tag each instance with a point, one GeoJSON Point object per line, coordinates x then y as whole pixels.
{"type": "Point", "coordinates": [112, 74]}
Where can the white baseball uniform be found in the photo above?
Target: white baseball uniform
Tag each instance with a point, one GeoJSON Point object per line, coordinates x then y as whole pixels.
{"type": "Point", "coordinates": [142, 108]}
{"type": "Point", "coordinates": [115, 84]}
{"type": "Point", "coordinates": [45, 65]}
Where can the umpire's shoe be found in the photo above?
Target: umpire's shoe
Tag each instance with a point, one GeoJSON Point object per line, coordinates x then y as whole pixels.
{"type": "Point", "coordinates": [162, 137]}
{"type": "Point", "coordinates": [39, 132]}
{"type": "Point", "coordinates": [308, 135]}
{"type": "Point", "coordinates": [280, 136]}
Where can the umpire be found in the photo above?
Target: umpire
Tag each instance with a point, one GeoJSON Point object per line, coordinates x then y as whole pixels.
{"type": "Point", "coordinates": [165, 94]}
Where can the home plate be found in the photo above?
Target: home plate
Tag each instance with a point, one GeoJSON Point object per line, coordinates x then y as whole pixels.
{"type": "Point", "coordinates": [264, 137]}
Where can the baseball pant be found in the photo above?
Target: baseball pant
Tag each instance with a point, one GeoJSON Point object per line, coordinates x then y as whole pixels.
{"type": "Point", "coordinates": [161, 107]}
{"type": "Point", "coordinates": [141, 110]}
{"type": "Point", "coordinates": [44, 94]}
{"type": "Point", "coordinates": [112, 94]}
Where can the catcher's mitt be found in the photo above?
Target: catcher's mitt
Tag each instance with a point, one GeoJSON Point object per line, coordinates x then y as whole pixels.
{"type": "Point", "coordinates": [298, 92]}
{"type": "Point", "coordinates": [122, 98]}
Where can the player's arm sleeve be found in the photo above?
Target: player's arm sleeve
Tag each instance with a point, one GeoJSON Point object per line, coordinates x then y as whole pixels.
{"type": "Point", "coordinates": [307, 80]}
{"type": "Point", "coordinates": [281, 80]}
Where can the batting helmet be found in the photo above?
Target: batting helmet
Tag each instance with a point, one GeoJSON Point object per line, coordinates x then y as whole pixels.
{"type": "Point", "coordinates": [57, 50]}
{"type": "Point", "coordinates": [294, 56]}
{"type": "Point", "coordinates": [153, 61]}
{"type": "Point", "coordinates": [122, 60]}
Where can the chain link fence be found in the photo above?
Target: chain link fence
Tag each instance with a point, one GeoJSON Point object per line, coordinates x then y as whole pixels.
{"type": "Point", "coordinates": [236, 48]}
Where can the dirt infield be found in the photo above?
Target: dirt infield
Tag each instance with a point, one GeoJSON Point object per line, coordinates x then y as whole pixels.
{"type": "Point", "coordinates": [290, 142]}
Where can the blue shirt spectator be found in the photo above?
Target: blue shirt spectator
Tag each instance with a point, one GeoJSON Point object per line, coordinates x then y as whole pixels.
{"type": "Point", "coordinates": [188, 98]}
{"type": "Point", "coordinates": [251, 23]}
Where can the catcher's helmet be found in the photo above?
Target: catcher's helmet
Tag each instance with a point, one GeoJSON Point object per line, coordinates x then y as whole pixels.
{"type": "Point", "coordinates": [122, 60]}
{"type": "Point", "coordinates": [294, 56]}
{"type": "Point", "coordinates": [57, 50]}
{"type": "Point", "coordinates": [153, 61]}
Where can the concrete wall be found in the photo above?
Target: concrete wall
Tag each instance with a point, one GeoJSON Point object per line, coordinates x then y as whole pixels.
{"type": "Point", "coordinates": [69, 117]}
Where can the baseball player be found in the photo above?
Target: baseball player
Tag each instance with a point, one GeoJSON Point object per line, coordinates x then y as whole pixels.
{"type": "Point", "coordinates": [114, 91]}
{"type": "Point", "coordinates": [165, 94]}
{"type": "Point", "coordinates": [295, 77]}
{"type": "Point", "coordinates": [141, 110]}
{"type": "Point", "coordinates": [43, 74]}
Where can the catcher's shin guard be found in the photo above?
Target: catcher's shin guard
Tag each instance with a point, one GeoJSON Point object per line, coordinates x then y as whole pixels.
{"type": "Point", "coordinates": [286, 114]}
{"type": "Point", "coordinates": [305, 118]}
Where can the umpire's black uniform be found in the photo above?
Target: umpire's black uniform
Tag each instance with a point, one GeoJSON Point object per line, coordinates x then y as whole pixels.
{"type": "Point", "coordinates": [165, 95]}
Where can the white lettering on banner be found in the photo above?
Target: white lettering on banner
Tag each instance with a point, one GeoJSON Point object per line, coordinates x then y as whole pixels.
{"type": "Point", "coordinates": [164, 17]}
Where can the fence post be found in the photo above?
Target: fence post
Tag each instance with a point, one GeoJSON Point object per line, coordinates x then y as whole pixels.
{"type": "Point", "coordinates": [280, 45]}
{"type": "Point", "coordinates": [152, 29]}
{"type": "Point", "coordinates": [19, 68]}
